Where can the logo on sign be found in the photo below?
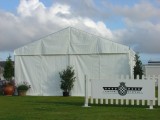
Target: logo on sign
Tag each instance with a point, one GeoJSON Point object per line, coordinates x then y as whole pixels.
{"type": "Point", "coordinates": [122, 90]}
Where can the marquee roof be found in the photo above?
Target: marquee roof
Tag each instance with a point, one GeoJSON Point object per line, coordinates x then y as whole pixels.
{"type": "Point", "coordinates": [71, 41]}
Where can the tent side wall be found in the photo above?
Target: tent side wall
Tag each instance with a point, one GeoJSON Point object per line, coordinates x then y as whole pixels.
{"type": "Point", "coordinates": [28, 69]}
{"type": "Point", "coordinates": [97, 67]}
{"type": "Point", "coordinates": [42, 72]}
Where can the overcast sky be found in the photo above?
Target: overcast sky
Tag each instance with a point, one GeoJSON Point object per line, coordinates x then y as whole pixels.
{"type": "Point", "coordinates": [135, 23]}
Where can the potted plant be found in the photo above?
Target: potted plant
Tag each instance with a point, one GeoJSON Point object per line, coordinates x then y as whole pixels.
{"type": "Point", "coordinates": [67, 79]}
{"type": "Point", "coordinates": [23, 88]}
{"type": "Point", "coordinates": [8, 87]}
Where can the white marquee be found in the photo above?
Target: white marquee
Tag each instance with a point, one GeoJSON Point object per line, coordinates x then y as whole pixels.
{"type": "Point", "coordinates": [40, 62]}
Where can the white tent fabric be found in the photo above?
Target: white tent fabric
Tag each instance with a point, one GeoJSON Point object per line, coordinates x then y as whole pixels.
{"type": "Point", "coordinates": [39, 63]}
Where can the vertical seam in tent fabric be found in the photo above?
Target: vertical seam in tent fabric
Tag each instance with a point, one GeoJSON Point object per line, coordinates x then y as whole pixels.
{"type": "Point", "coordinates": [69, 46]}
{"type": "Point", "coordinates": [69, 40]}
{"type": "Point", "coordinates": [41, 74]}
{"type": "Point", "coordinates": [42, 47]}
{"type": "Point", "coordinates": [99, 58]}
{"type": "Point", "coordinates": [99, 65]}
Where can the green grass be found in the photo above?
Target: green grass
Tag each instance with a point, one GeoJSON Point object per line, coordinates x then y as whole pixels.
{"type": "Point", "coordinates": [69, 108]}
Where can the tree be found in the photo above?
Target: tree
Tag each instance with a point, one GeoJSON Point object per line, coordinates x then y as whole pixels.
{"type": "Point", "coordinates": [8, 69]}
{"type": "Point", "coordinates": [67, 79]}
{"type": "Point", "coordinates": [138, 70]}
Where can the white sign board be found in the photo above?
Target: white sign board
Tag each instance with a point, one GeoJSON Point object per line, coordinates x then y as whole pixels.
{"type": "Point", "coordinates": [123, 89]}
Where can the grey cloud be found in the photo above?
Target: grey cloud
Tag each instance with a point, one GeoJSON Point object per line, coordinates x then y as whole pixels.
{"type": "Point", "coordinates": [142, 38]}
{"type": "Point", "coordinates": [139, 12]}
{"type": "Point", "coordinates": [86, 8]}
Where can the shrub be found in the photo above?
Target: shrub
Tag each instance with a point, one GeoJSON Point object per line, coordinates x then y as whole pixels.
{"type": "Point", "coordinates": [67, 79]}
{"type": "Point", "coordinates": [23, 86]}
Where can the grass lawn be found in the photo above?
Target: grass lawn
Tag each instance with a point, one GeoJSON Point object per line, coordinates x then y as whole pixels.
{"type": "Point", "coordinates": [69, 108]}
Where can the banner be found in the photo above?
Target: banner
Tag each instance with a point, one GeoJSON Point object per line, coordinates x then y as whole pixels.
{"type": "Point", "coordinates": [123, 89]}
